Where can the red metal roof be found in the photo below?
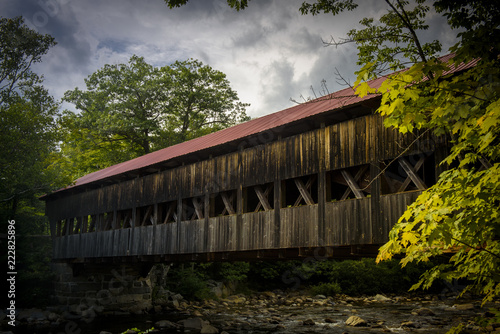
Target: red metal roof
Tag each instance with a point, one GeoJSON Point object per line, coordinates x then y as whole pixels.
{"type": "Point", "coordinates": [333, 101]}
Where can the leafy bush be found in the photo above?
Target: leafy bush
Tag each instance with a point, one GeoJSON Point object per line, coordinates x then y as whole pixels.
{"type": "Point", "coordinates": [327, 289]}
{"type": "Point", "coordinates": [189, 282]}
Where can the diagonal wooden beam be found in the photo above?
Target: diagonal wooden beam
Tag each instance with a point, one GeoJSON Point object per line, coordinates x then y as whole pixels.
{"type": "Point", "coordinates": [304, 191]}
{"type": "Point", "coordinates": [170, 212]}
{"type": "Point", "coordinates": [352, 184]}
{"type": "Point", "coordinates": [416, 168]}
{"type": "Point", "coordinates": [228, 203]}
{"type": "Point", "coordinates": [198, 208]}
{"type": "Point", "coordinates": [262, 195]}
{"type": "Point", "coordinates": [147, 215]}
{"type": "Point", "coordinates": [413, 176]}
{"type": "Point", "coordinates": [358, 175]}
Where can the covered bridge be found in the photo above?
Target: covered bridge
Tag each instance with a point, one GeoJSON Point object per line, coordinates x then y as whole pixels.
{"type": "Point", "coordinates": [324, 176]}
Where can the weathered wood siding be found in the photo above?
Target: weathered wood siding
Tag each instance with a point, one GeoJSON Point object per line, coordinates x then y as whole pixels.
{"type": "Point", "coordinates": [356, 142]}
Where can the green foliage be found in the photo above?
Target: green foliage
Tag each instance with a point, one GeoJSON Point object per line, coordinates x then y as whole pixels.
{"type": "Point", "coordinates": [128, 110]}
{"type": "Point", "coordinates": [138, 331]}
{"type": "Point", "coordinates": [459, 214]}
{"type": "Point", "coordinates": [28, 135]}
{"type": "Point", "coordinates": [365, 277]}
{"type": "Point", "coordinates": [226, 271]}
{"type": "Point", "coordinates": [326, 289]}
{"type": "Point", "coordinates": [189, 282]}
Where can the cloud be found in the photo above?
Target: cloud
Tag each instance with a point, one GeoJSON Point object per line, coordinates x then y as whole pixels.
{"type": "Point", "coordinates": [269, 51]}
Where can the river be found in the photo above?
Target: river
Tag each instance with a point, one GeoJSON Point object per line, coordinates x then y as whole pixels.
{"type": "Point", "coordinates": [279, 313]}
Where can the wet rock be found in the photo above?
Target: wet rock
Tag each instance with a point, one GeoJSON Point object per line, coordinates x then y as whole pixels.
{"type": "Point", "coordinates": [423, 311]}
{"type": "Point", "coordinates": [329, 321]}
{"type": "Point", "coordinates": [197, 314]}
{"type": "Point", "coordinates": [355, 321]}
{"type": "Point", "coordinates": [268, 294]}
{"type": "Point", "coordinates": [208, 329]}
{"type": "Point", "coordinates": [193, 323]}
{"type": "Point", "coordinates": [308, 322]}
{"type": "Point", "coordinates": [464, 307]}
{"type": "Point", "coordinates": [104, 332]}
{"type": "Point", "coordinates": [166, 324]}
{"type": "Point", "coordinates": [381, 298]}
{"type": "Point", "coordinates": [130, 331]}
{"type": "Point", "coordinates": [409, 324]}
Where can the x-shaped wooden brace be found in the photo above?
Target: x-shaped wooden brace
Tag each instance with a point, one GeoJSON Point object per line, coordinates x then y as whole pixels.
{"type": "Point", "coordinates": [304, 190]}
{"type": "Point", "coordinates": [228, 203]}
{"type": "Point", "coordinates": [108, 222]}
{"type": "Point", "coordinates": [262, 195]}
{"type": "Point", "coordinates": [411, 171]}
{"type": "Point", "coordinates": [170, 212]}
{"type": "Point", "coordinates": [148, 216]}
{"type": "Point", "coordinates": [127, 220]}
{"type": "Point", "coordinates": [352, 183]}
{"type": "Point", "coordinates": [198, 209]}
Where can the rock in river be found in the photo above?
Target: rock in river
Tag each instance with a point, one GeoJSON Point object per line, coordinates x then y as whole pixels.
{"type": "Point", "coordinates": [355, 321]}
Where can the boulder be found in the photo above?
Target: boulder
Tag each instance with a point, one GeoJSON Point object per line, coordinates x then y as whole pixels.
{"type": "Point", "coordinates": [193, 323]}
{"type": "Point", "coordinates": [381, 298]}
{"type": "Point", "coordinates": [166, 324]}
{"type": "Point", "coordinates": [355, 321]}
{"type": "Point", "coordinates": [208, 329]}
{"type": "Point", "coordinates": [308, 322]}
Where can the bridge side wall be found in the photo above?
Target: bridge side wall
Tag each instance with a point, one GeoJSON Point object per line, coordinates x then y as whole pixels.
{"type": "Point", "coordinates": [314, 159]}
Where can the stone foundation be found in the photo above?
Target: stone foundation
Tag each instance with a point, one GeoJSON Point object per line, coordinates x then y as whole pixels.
{"type": "Point", "coordinates": [93, 288]}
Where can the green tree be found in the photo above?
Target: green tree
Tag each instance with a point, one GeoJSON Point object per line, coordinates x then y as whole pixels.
{"type": "Point", "coordinates": [128, 110]}
{"type": "Point", "coordinates": [27, 118]}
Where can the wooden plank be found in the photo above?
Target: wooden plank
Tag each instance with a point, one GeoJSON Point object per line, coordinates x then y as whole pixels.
{"type": "Point", "coordinates": [414, 177]}
{"type": "Point", "coordinates": [352, 184]}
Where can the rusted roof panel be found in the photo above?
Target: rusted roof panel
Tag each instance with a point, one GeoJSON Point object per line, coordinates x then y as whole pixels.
{"type": "Point", "coordinates": [337, 100]}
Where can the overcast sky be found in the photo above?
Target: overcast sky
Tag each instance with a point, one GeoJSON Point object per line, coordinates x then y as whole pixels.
{"type": "Point", "coordinates": [269, 52]}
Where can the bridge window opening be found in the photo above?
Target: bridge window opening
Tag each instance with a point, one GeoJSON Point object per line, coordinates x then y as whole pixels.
{"type": "Point", "coordinates": [223, 203]}
{"type": "Point", "coordinates": [409, 173]}
{"type": "Point", "coordinates": [106, 221]}
{"type": "Point", "coordinates": [300, 191]}
{"type": "Point", "coordinates": [145, 216]}
{"type": "Point", "coordinates": [64, 226]}
{"type": "Point", "coordinates": [92, 223]}
{"type": "Point", "coordinates": [77, 225]}
{"type": "Point", "coordinates": [348, 183]}
{"type": "Point", "coordinates": [258, 198]}
{"type": "Point", "coordinates": [193, 208]}
{"type": "Point", "coordinates": [123, 219]}
{"type": "Point", "coordinates": [167, 212]}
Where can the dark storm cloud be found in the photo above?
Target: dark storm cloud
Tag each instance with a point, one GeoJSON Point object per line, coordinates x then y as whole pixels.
{"type": "Point", "coordinates": [269, 51]}
{"type": "Point", "coordinates": [53, 17]}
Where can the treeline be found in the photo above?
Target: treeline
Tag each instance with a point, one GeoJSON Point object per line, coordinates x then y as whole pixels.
{"type": "Point", "coordinates": [125, 111]}
{"type": "Point", "coordinates": [325, 277]}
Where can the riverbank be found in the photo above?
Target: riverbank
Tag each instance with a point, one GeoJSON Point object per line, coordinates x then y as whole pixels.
{"type": "Point", "coordinates": [272, 312]}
